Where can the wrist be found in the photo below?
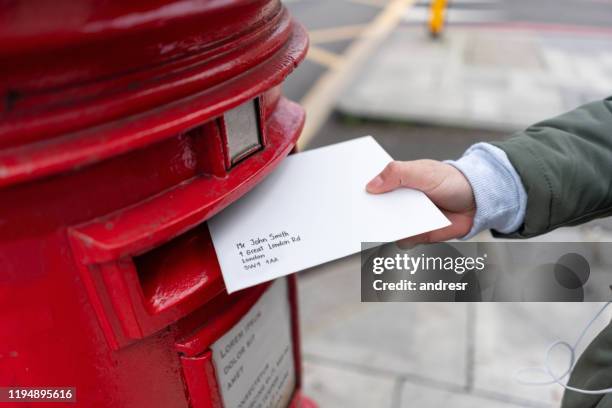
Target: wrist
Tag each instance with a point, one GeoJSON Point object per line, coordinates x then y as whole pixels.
{"type": "Point", "coordinates": [499, 194]}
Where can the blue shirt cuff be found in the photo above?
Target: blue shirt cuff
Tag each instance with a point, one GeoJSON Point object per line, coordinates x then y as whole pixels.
{"type": "Point", "coordinates": [499, 193]}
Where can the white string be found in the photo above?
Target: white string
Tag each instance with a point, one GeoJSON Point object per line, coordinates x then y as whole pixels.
{"type": "Point", "coordinates": [547, 370]}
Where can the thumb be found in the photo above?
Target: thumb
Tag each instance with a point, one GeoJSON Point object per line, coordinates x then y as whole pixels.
{"type": "Point", "coordinates": [413, 174]}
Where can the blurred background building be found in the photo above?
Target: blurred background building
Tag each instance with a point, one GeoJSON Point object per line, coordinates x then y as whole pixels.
{"type": "Point", "coordinates": [498, 67]}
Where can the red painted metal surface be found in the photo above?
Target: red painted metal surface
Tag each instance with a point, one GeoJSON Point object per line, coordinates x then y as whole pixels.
{"type": "Point", "coordinates": [203, 328]}
{"type": "Point", "coordinates": [112, 158]}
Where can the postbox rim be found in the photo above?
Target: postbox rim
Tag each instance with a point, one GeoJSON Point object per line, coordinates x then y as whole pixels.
{"type": "Point", "coordinates": [84, 147]}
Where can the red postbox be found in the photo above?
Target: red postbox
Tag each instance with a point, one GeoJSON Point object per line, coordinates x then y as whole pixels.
{"type": "Point", "coordinates": [124, 127]}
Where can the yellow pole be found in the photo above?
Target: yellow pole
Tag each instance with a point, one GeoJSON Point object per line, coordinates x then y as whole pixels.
{"type": "Point", "coordinates": [437, 16]}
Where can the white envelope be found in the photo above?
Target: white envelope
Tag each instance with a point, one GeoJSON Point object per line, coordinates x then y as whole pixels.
{"type": "Point", "coordinates": [314, 209]}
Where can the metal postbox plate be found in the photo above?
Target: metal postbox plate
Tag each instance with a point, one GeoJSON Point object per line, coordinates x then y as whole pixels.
{"type": "Point", "coordinates": [254, 359]}
{"type": "Point", "coordinates": [242, 130]}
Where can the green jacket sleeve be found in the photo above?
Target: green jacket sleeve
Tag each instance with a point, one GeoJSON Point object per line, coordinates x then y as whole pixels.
{"type": "Point", "coordinates": [565, 164]}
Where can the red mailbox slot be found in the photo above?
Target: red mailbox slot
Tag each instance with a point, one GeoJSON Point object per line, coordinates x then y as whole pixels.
{"type": "Point", "coordinates": [124, 128]}
{"type": "Point", "coordinates": [133, 300]}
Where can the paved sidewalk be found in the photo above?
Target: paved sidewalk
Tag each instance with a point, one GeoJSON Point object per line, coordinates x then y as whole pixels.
{"type": "Point", "coordinates": [493, 77]}
{"type": "Point", "coordinates": [424, 355]}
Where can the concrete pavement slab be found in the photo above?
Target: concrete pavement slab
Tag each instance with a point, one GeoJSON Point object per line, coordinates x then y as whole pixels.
{"type": "Point", "coordinates": [327, 292]}
{"type": "Point", "coordinates": [448, 349]}
{"type": "Point", "coordinates": [333, 387]}
{"type": "Point", "coordinates": [428, 340]}
{"type": "Point", "coordinates": [511, 336]}
{"type": "Point", "coordinates": [414, 395]}
{"type": "Point", "coordinates": [502, 79]}
{"type": "Point", "coordinates": [458, 354]}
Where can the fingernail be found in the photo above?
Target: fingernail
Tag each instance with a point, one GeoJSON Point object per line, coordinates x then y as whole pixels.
{"type": "Point", "coordinates": [405, 244]}
{"type": "Point", "coordinates": [375, 183]}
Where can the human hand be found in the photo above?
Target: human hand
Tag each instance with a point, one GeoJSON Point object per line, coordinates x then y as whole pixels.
{"type": "Point", "coordinates": [446, 186]}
